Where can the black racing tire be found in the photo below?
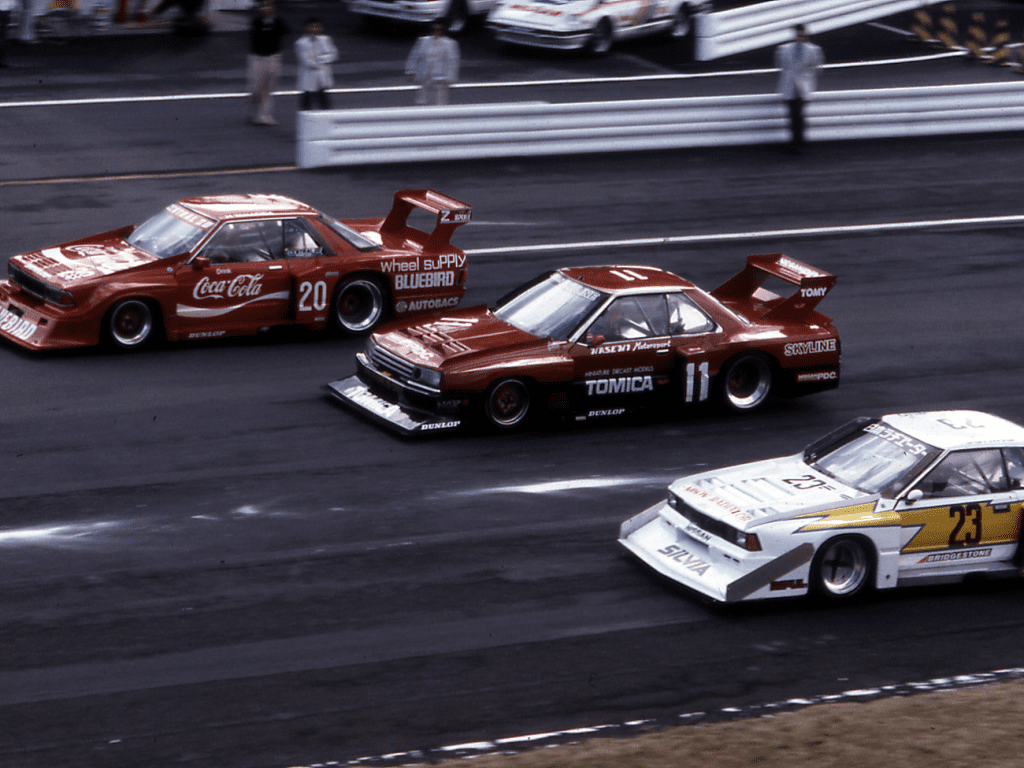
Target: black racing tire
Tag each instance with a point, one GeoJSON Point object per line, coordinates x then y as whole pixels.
{"type": "Point", "coordinates": [682, 23]}
{"type": "Point", "coordinates": [360, 304]}
{"type": "Point", "coordinates": [457, 18]}
{"type": "Point", "coordinates": [130, 324]}
{"type": "Point", "coordinates": [746, 382]}
{"type": "Point", "coordinates": [507, 404]}
{"type": "Point", "coordinates": [601, 38]}
{"type": "Point", "coordinates": [842, 568]}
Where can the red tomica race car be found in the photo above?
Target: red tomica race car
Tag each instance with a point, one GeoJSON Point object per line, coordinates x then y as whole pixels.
{"type": "Point", "coordinates": [601, 341]}
{"type": "Point", "coordinates": [208, 267]}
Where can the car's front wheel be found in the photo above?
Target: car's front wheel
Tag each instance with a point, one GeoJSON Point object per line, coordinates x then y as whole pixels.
{"type": "Point", "coordinates": [359, 305]}
{"type": "Point", "coordinates": [746, 382]}
{"type": "Point", "coordinates": [457, 18]}
{"type": "Point", "coordinates": [601, 38]}
{"type": "Point", "coordinates": [507, 404]}
{"type": "Point", "coordinates": [130, 324]}
{"type": "Point", "coordinates": [841, 568]}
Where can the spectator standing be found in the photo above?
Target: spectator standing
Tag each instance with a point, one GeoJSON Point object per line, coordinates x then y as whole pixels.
{"type": "Point", "coordinates": [6, 7]}
{"type": "Point", "coordinates": [798, 63]}
{"type": "Point", "coordinates": [315, 52]}
{"type": "Point", "coordinates": [266, 36]}
{"type": "Point", "coordinates": [434, 66]}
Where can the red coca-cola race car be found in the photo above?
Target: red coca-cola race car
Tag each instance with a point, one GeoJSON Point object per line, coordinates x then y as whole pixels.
{"type": "Point", "coordinates": [226, 265]}
{"type": "Point", "coordinates": [602, 341]}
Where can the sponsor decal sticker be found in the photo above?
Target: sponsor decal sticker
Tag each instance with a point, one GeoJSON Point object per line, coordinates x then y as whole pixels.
{"type": "Point", "coordinates": [698, 533]}
{"type": "Point", "coordinates": [455, 215]}
{"type": "Point", "coordinates": [240, 286]}
{"type": "Point", "coordinates": [439, 425]}
{"type": "Point", "coordinates": [777, 586]}
{"type": "Point", "coordinates": [445, 261]}
{"type": "Point", "coordinates": [206, 334]}
{"type": "Point", "coordinates": [801, 269]}
{"type": "Point", "coordinates": [810, 347]}
{"type": "Point", "coordinates": [420, 280]}
{"type": "Point", "coordinates": [620, 385]}
{"type": "Point", "coordinates": [964, 554]}
{"type": "Point", "coordinates": [18, 327]}
{"type": "Point", "coordinates": [605, 412]}
{"type": "Point", "coordinates": [813, 293]}
{"type": "Point", "coordinates": [685, 558]}
{"type": "Point", "coordinates": [729, 507]}
{"type": "Point", "coordinates": [905, 442]}
{"type": "Point", "coordinates": [805, 378]}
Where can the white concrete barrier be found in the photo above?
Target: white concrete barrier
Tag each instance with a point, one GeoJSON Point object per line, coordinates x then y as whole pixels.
{"type": "Point", "coordinates": [723, 33]}
{"type": "Point", "coordinates": [460, 132]}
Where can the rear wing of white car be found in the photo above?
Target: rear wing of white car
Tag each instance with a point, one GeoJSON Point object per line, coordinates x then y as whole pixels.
{"type": "Point", "coordinates": [745, 288]}
{"type": "Point", "coordinates": [450, 212]}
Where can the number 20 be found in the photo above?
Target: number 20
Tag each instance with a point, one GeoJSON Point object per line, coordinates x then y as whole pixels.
{"type": "Point", "coordinates": [318, 293]}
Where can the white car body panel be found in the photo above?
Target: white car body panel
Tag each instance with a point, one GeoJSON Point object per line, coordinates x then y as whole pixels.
{"type": "Point", "coordinates": [570, 25]}
{"type": "Point", "coordinates": [794, 510]}
{"type": "Point", "coordinates": [415, 11]}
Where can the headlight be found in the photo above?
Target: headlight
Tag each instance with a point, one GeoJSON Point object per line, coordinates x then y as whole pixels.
{"type": "Point", "coordinates": [427, 376]}
{"type": "Point", "coordinates": [747, 541]}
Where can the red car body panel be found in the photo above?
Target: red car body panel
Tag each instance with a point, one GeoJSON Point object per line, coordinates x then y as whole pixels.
{"type": "Point", "coordinates": [442, 371]}
{"type": "Point", "coordinates": [60, 297]}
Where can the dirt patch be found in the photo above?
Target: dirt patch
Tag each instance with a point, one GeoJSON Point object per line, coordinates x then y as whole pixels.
{"type": "Point", "coordinates": [977, 727]}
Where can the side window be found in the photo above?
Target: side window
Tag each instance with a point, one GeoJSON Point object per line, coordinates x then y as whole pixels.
{"type": "Point", "coordinates": [632, 317]}
{"type": "Point", "coordinates": [1015, 466]}
{"type": "Point", "coordinates": [298, 242]}
{"type": "Point", "coordinates": [966, 473]}
{"type": "Point", "coordinates": [685, 317]}
{"type": "Point", "coordinates": [246, 241]}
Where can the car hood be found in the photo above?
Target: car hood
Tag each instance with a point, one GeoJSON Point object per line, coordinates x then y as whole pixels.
{"type": "Point", "coordinates": [68, 265]}
{"type": "Point", "coordinates": [444, 339]}
{"type": "Point", "coordinates": [748, 495]}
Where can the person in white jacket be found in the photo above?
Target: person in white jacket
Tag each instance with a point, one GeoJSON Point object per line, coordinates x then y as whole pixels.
{"type": "Point", "coordinates": [798, 63]}
{"type": "Point", "coordinates": [315, 52]}
{"type": "Point", "coordinates": [434, 66]}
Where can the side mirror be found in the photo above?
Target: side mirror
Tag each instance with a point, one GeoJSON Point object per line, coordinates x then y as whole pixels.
{"type": "Point", "coordinates": [598, 339]}
{"type": "Point", "coordinates": [200, 263]}
{"type": "Point", "coordinates": [915, 495]}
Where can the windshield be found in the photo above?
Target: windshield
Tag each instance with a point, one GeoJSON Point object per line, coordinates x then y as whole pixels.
{"type": "Point", "coordinates": [173, 231]}
{"type": "Point", "coordinates": [552, 308]}
{"type": "Point", "coordinates": [352, 237]}
{"type": "Point", "coordinates": [874, 458]}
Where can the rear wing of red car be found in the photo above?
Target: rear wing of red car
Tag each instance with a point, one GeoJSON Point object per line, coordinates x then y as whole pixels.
{"type": "Point", "coordinates": [451, 214]}
{"type": "Point", "coordinates": [744, 289]}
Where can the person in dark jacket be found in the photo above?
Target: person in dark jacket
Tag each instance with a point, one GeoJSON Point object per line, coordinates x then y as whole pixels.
{"type": "Point", "coordinates": [266, 39]}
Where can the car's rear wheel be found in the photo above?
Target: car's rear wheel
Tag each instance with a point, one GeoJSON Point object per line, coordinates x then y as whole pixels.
{"type": "Point", "coordinates": [746, 382]}
{"type": "Point", "coordinates": [507, 404]}
{"type": "Point", "coordinates": [601, 38]}
{"type": "Point", "coordinates": [359, 305]}
{"type": "Point", "coordinates": [841, 568]}
{"type": "Point", "coordinates": [130, 324]}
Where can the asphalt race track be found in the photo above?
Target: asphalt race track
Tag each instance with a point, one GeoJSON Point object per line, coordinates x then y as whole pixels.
{"type": "Point", "coordinates": [207, 563]}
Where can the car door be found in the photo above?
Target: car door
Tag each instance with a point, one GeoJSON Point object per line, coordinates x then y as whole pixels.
{"type": "Point", "coordinates": [689, 326]}
{"type": "Point", "coordinates": [624, 359]}
{"type": "Point", "coordinates": [238, 283]}
{"type": "Point", "coordinates": [966, 509]}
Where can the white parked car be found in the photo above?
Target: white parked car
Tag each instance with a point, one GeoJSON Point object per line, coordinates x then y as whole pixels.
{"type": "Point", "coordinates": [455, 14]}
{"type": "Point", "coordinates": [591, 24]}
{"type": "Point", "coordinates": [932, 496]}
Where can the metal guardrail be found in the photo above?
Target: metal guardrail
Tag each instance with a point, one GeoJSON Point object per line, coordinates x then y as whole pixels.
{"type": "Point", "coordinates": [522, 129]}
{"type": "Point", "coordinates": [723, 33]}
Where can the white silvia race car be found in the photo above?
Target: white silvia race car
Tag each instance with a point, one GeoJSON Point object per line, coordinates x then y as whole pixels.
{"type": "Point", "coordinates": [878, 503]}
{"type": "Point", "coordinates": [592, 24]}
